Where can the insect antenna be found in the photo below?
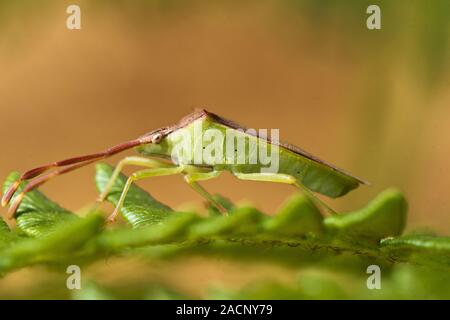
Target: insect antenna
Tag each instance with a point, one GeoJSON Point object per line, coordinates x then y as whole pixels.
{"type": "Point", "coordinates": [70, 164]}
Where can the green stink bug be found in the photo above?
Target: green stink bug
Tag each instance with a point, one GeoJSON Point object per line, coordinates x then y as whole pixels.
{"type": "Point", "coordinates": [165, 152]}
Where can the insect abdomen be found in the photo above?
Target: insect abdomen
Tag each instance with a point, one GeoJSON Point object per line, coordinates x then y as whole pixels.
{"type": "Point", "coordinates": [316, 176]}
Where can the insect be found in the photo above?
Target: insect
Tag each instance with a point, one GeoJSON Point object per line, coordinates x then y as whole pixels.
{"type": "Point", "coordinates": [157, 148]}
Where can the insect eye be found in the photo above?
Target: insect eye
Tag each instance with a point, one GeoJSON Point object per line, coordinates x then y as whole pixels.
{"type": "Point", "coordinates": [157, 138]}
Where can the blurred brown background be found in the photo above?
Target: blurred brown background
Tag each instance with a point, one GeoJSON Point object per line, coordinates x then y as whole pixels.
{"type": "Point", "coordinates": [376, 103]}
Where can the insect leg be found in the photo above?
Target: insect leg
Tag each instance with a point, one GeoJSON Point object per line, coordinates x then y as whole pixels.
{"type": "Point", "coordinates": [315, 199]}
{"type": "Point", "coordinates": [268, 177]}
{"type": "Point", "coordinates": [192, 178]}
{"type": "Point", "coordinates": [135, 161]}
{"type": "Point", "coordinates": [282, 178]}
{"type": "Point", "coordinates": [139, 175]}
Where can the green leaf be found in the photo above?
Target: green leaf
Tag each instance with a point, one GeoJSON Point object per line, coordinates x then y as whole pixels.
{"type": "Point", "coordinates": [53, 247]}
{"type": "Point", "coordinates": [384, 216]}
{"type": "Point", "coordinates": [3, 227]}
{"type": "Point", "coordinates": [420, 249]}
{"type": "Point", "coordinates": [298, 216]}
{"type": "Point", "coordinates": [162, 293]}
{"type": "Point", "coordinates": [174, 228]}
{"type": "Point", "coordinates": [240, 221]}
{"type": "Point", "coordinates": [6, 236]}
{"type": "Point", "coordinates": [311, 285]}
{"type": "Point", "coordinates": [37, 215]}
{"type": "Point", "coordinates": [139, 209]}
{"type": "Point", "coordinates": [296, 236]}
{"type": "Point", "coordinates": [319, 286]}
{"type": "Point", "coordinates": [38, 224]}
{"type": "Point", "coordinates": [263, 290]}
{"type": "Point", "coordinates": [91, 291]}
{"type": "Point", "coordinates": [436, 244]}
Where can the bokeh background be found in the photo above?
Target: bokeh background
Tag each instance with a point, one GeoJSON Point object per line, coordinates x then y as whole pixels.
{"type": "Point", "coordinates": [374, 102]}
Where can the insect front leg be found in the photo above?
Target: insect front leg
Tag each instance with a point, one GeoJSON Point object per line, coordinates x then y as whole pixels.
{"type": "Point", "coordinates": [139, 175]}
{"type": "Point", "coordinates": [192, 178]}
{"type": "Point", "coordinates": [134, 161]}
{"type": "Point", "coordinates": [282, 178]}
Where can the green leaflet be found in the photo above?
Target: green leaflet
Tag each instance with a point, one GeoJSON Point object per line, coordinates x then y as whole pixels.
{"type": "Point", "coordinates": [3, 227]}
{"type": "Point", "coordinates": [57, 246]}
{"type": "Point", "coordinates": [174, 229]}
{"type": "Point", "coordinates": [37, 215]}
{"type": "Point", "coordinates": [38, 224]}
{"type": "Point", "coordinates": [420, 249]}
{"type": "Point", "coordinates": [6, 236]}
{"type": "Point", "coordinates": [384, 216]}
{"type": "Point", "coordinates": [419, 242]}
{"type": "Point", "coordinates": [312, 286]}
{"type": "Point", "coordinates": [297, 216]}
{"type": "Point", "coordinates": [403, 282]}
{"type": "Point", "coordinates": [241, 221]}
{"type": "Point", "coordinates": [57, 232]}
{"type": "Point", "coordinates": [139, 209]}
{"type": "Point", "coordinates": [158, 292]}
{"type": "Point", "coordinates": [91, 291]}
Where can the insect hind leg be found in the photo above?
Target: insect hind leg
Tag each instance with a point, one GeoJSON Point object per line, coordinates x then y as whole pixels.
{"type": "Point", "coordinates": [283, 178]}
